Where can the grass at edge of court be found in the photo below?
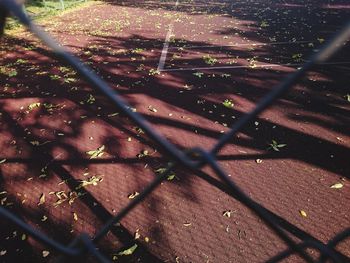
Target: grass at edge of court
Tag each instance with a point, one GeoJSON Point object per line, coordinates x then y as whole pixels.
{"type": "Point", "coordinates": [13, 26]}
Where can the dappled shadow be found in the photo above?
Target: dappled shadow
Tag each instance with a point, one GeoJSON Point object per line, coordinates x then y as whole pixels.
{"type": "Point", "coordinates": [50, 119]}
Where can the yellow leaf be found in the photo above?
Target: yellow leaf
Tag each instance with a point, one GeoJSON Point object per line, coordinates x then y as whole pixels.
{"type": "Point", "coordinates": [133, 195]}
{"type": "Point", "coordinates": [96, 153]}
{"type": "Point", "coordinates": [337, 186]}
{"type": "Point", "coordinates": [41, 199]}
{"type": "Point", "coordinates": [227, 213]}
{"type": "Point", "coordinates": [128, 251]}
{"type": "Point", "coordinates": [303, 213]}
{"type": "Point", "coordinates": [75, 216]}
{"type": "Point", "coordinates": [34, 105]}
{"type": "Point", "coordinates": [137, 234]}
{"type": "Point", "coordinates": [35, 143]}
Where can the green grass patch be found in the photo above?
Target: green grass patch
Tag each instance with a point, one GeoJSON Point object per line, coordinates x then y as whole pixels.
{"type": "Point", "coordinates": [41, 9]}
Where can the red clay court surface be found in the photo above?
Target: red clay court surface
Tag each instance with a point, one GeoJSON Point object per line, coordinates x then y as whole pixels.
{"type": "Point", "coordinates": [205, 52]}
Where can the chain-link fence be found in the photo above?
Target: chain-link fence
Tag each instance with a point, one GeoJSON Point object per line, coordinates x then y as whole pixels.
{"type": "Point", "coordinates": [194, 159]}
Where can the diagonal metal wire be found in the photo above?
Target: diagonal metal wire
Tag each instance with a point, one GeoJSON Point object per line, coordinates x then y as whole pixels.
{"type": "Point", "coordinates": [84, 244]}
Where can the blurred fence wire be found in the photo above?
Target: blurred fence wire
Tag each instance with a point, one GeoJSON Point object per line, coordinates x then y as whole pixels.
{"type": "Point", "coordinates": [194, 159]}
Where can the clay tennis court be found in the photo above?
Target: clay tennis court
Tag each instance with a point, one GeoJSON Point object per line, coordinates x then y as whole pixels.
{"type": "Point", "coordinates": [70, 160]}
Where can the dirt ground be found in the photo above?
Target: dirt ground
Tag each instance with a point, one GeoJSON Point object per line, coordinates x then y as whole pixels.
{"type": "Point", "coordinates": [191, 68]}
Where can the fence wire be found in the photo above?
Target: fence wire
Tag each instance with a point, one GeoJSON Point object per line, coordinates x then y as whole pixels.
{"type": "Point", "coordinates": [194, 159]}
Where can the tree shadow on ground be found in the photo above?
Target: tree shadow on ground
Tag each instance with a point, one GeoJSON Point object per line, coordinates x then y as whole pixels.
{"type": "Point", "coordinates": [77, 110]}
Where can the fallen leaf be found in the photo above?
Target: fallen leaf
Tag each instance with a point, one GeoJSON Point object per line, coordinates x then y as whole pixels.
{"type": "Point", "coordinates": [2, 161]}
{"type": "Point", "coordinates": [113, 114]}
{"type": "Point", "coordinates": [128, 251]}
{"type": "Point", "coordinates": [303, 213]}
{"type": "Point", "coordinates": [41, 199]}
{"type": "Point", "coordinates": [137, 234]}
{"type": "Point", "coordinates": [90, 181]}
{"type": "Point", "coordinates": [142, 154]}
{"type": "Point", "coordinates": [45, 253]}
{"type": "Point", "coordinates": [75, 216]}
{"type": "Point", "coordinates": [34, 105]}
{"type": "Point", "coordinates": [96, 153]}
{"type": "Point", "coordinates": [151, 108]}
{"type": "Point", "coordinates": [171, 177]}
{"type": "Point", "coordinates": [337, 186]}
{"type": "Point", "coordinates": [347, 97]}
{"type": "Point", "coordinates": [133, 195]}
{"type": "Point", "coordinates": [227, 213]}
{"type": "Point", "coordinates": [228, 103]}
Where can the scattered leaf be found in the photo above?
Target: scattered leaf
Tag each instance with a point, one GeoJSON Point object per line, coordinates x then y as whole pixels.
{"type": "Point", "coordinates": [128, 251]}
{"type": "Point", "coordinates": [2, 161]}
{"type": "Point", "coordinates": [137, 234]}
{"type": "Point", "coordinates": [45, 253]}
{"type": "Point", "coordinates": [133, 195]}
{"type": "Point", "coordinates": [139, 130]}
{"type": "Point", "coordinates": [297, 57]}
{"type": "Point", "coordinates": [153, 72]}
{"type": "Point", "coordinates": [302, 213]}
{"type": "Point", "coordinates": [94, 180]}
{"type": "Point", "coordinates": [171, 176]}
{"type": "Point", "coordinates": [227, 213]}
{"type": "Point", "coordinates": [142, 154]}
{"type": "Point", "coordinates": [209, 60]}
{"type": "Point", "coordinates": [34, 105]}
{"type": "Point", "coordinates": [228, 103]}
{"type": "Point", "coordinates": [337, 186]}
{"type": "Point", "coordinates": [198, 74]}
{"type": "Point", "coordinates": [113, 114]}
{"type": "Point", "coordinates": [41, 199]}
{"type": "Point", "coordinates": [96, 153]}
{"type": "Point", "coordinates": [91, 99]}
{"type": "Point", "coordinates": [264, 24]}
{"type": "Point", "coordinates": [150, 108]}
{"type": "Point", "coordinates": [274, 145]}
{"type": "Point", "coordinates": [347, 97]}
{"type": "Point", "coordinates": [75, 216]}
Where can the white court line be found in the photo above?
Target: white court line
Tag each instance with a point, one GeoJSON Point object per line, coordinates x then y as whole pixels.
{"type": "Point", "coordinates": [246, 44]}
{"type": "Point", "coordinates": [162, 58]}
{"type": "Point", "coordinates": [257, 66]}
